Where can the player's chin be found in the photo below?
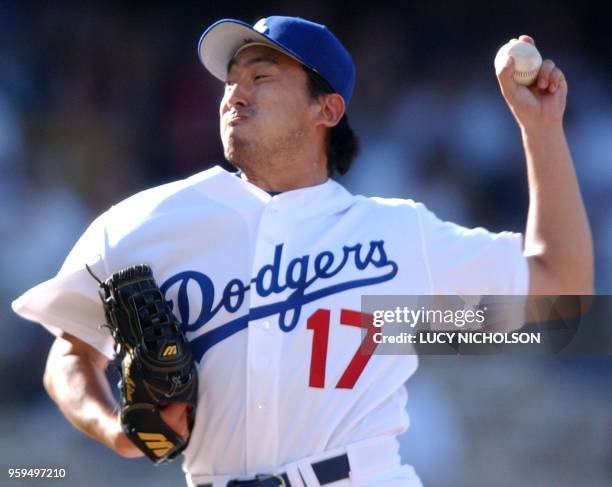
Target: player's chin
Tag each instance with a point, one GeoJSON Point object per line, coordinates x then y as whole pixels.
{"type": "Point", "coordinates": [235, 134]}
{"type": "Point", "coordinates": [239, 135]}
{"type": "Point", "coordinates": [231, 143]}
{"type": "Point", "coordinates": [232, 151]}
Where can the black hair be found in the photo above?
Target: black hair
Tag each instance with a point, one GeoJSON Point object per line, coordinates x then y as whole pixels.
{"type": "Point", "coordinates": [342, 142]}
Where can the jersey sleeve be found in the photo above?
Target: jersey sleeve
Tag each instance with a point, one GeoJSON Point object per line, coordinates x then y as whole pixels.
{"type": "Point", "coordinates": [475, 261]}
{"type": "Point", "coordinates": [69, 302]}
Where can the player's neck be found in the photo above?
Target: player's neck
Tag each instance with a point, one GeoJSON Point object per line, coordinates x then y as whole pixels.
{"type": "Point", "coordinates": [285, 175]}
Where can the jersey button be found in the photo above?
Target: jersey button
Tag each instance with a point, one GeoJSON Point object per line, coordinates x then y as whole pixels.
{"type": "Point", "coordinates": [261, 405]}
{"type": "Point", "coordinates": [266, 325]}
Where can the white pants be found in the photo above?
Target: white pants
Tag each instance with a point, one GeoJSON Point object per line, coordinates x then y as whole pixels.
{"type": "Point", "coordinates": [374, 463]}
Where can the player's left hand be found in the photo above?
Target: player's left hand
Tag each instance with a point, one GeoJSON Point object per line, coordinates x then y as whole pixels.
{"type": "Point", "coordinates": [540, 105]}
{"type": "Point", "coordinates": [175, 415]}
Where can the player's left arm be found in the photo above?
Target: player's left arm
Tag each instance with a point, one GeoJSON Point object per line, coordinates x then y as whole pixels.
{"type": "Point", "coordinates": [558, 242]}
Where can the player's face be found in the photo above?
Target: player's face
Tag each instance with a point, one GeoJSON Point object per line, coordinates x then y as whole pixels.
{"type": "Point", "coordinates": [266, 106]}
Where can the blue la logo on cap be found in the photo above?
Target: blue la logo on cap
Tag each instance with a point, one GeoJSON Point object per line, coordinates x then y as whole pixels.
{"type": "Point", "coordinates": [310, 43]}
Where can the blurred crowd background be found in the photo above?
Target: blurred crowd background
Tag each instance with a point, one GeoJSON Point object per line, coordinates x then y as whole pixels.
{"type": "Point", "coordinates": [99, 100]}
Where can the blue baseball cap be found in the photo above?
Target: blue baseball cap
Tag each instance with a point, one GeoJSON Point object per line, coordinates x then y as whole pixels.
{"type": "Point", "coordinates": [307, 42]}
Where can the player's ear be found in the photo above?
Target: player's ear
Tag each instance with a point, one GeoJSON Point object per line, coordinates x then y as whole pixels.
{"type": "Point", "coordinates": [331, 109]}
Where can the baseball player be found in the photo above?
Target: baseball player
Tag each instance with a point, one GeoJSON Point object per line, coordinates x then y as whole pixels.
{"type": "Point", "coordinates": [265, 269]}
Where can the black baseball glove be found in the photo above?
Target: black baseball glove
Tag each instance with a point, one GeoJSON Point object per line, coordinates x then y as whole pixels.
{"type": "Point", "coordinates": [157, 366]}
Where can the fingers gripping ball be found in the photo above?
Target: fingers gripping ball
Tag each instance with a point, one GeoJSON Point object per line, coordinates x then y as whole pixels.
{"type": "Point", "coordinates": [157, 366]}
{"type": "Point", "coordinates": [527, 60]}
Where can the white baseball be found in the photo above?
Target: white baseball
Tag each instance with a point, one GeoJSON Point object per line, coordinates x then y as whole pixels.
{"type": "Point", "coordinates": [527, 60]}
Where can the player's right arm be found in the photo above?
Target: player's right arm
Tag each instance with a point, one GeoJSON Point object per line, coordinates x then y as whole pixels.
{"type": "Point", "coordinates": [75, 379]}
{"type": "Point", "coordinates": [558, 240]}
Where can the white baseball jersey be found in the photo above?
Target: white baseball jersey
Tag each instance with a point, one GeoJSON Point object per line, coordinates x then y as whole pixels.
{"type": "Point", "coordinates": [268, 290]}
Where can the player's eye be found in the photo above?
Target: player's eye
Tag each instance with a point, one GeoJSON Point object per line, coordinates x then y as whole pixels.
{"type": "Point", "coordinates": [260, 76]}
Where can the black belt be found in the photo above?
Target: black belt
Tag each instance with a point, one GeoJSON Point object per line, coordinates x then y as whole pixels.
{"type": "Point", "coordinates": [327, 471]}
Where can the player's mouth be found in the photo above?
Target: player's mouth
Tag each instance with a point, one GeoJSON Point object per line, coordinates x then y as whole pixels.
{"type": "Point", "coordinates": [234, 118]}
{"type": "Point", "coordinates": [232, 122]}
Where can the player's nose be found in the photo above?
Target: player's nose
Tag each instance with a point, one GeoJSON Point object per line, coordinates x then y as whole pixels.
{"type": "Point", "coordinates": [237, 94]}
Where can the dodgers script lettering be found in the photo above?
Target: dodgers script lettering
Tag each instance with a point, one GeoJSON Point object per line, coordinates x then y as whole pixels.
{"type": "Point", "coordinates": [300, 273]}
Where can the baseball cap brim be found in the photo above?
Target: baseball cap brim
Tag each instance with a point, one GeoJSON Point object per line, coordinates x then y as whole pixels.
{"type": "Point", "coordinates": [221, 41]}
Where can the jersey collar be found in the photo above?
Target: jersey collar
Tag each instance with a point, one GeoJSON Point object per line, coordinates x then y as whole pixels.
{"type": "Point", "coordinates": [326, 197]}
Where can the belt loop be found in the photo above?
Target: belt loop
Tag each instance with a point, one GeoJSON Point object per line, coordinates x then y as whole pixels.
{"type": "Point", "coordinates": [222, 481]}
{"type": "Point", "coordinates": [294, 476]}
{"type": "Point", "coordinates": [310, 479]}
